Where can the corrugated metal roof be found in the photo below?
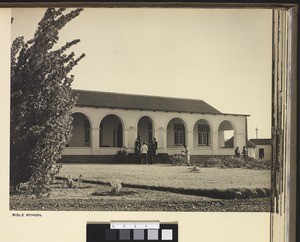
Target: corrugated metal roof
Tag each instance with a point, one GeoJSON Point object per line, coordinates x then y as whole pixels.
{"type": "Point", "coordinates": [142, 102]}
{"type": "Point", "coordinates": [261, 141]}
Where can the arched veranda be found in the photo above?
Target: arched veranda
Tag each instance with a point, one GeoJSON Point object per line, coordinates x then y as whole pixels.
{"type": "Point", "coordinates": [202, 133]}
{"type": "Point", "coordinates": [81, 131]}
{"type": "Point", "coordinates": [226, 137]}
{"type": "Point", "coordinates": [111, 131]}
{"type": "Point", "coordinates": [145, 129]}
{"type": "Point", "coordinates": [176, 133]}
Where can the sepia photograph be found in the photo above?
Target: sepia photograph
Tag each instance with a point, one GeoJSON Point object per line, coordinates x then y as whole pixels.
{"type": "Point", "coordinates": [141, 109]}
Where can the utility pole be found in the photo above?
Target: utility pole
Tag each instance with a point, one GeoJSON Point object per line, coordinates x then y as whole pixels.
{"type": "Point", "coordinates": [256, 132]}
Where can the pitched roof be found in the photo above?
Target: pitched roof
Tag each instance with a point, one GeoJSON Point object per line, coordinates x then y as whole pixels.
{"type": "Point", "coordinates": [261, 141]}
{"type": "Point", "coordinates": [142, 102]}
{"type": "Point", "coordinates": [229, 143]}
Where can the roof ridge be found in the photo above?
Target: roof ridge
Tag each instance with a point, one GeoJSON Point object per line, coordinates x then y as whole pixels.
{"type": "Point", "coordinates": [259, 138]}
{"type": "Point", "coordinates": [140, 95]}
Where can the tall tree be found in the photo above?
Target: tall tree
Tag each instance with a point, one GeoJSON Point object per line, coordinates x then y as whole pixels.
{"type": "Point", "coordinates": [41, 102]}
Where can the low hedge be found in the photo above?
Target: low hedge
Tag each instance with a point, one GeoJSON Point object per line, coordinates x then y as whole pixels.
{"type": "Point", "coordinates": [223, 162]}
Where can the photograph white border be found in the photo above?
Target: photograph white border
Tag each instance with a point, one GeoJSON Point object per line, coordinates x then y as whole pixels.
{"type": "Point", "coordinates": [70, 226]}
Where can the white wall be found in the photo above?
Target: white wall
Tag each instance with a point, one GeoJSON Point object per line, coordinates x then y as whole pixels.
{"type": "Point", "coordinates": [267, 150]}
{"type": "Point", "coordinates": [251, 153]}
{"type": "Point", "coordinates": [130, 118]}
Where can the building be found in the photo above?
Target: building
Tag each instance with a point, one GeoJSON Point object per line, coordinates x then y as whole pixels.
{"type": "Point", "coordinates": [263, 148]}
{"type": "Point", "coordinates": [104, 122]}
{"type": "Point", "coordinates": [251, 147]}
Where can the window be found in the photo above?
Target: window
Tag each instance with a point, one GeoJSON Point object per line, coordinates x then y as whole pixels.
{"type": "Point", "coordinates": [203, 134]}
{"type": "Point", "coordinates": [261, 153]}
{"type": "Point", "coordinates": [86, 131]}
{"type": "Point", "coordinates": [179, 134]}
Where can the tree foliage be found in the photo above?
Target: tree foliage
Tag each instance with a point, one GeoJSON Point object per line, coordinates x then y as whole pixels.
{"type": "Point", "coordinates": [41, 101]}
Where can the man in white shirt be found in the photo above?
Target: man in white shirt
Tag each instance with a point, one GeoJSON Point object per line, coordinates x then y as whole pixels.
{"type": "Point", "coordinates": [144, 151]}
{"type": "Point", "coordinates": [187, 153]}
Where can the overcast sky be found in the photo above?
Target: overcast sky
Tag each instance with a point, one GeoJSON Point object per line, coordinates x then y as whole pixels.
{"type": "Point", "coordinates": [223, 57]}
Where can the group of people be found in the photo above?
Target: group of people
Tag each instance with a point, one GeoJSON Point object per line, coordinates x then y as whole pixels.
{"type": "Point", "coordinates": [145, 153]}
{"type": "Point", "coordinates": [237, 152]}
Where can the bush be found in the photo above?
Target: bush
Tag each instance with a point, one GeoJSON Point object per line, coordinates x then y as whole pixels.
{"type": "Point", "coordinates": [178, 160]}
{"type": "Point", "coordinates": [234, 162]}
{"type": "Point", "coordinates": [54, 171]}
{"type": "Point", "coordinates": [116, 186]}
{"type": "Point", "coordinates": [70, 182]}
{"type": "Point", "coordinates": [212, 162]}
{"type": "Point", "coordinates": [194, 169]}
{"type": "Point", "coordinates": [121, 155]}
{"type": "Point", "coordinates": [80, 177]}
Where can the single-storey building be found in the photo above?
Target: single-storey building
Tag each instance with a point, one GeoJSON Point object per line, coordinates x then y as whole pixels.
{"type": "Point", "coordinates": [251, 147]}
{"type": "Point", "coordinates": [263, 148]}
{"type": "Point", "coordinates": [104, 122]}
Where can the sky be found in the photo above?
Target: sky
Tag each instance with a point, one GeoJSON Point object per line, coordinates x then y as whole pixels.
{"type": "Point", "coordinates": [222, 56]}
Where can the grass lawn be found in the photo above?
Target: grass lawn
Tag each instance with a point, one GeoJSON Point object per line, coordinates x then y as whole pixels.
{"type": "Point", "coordinates": [171, 176]}
{"type": "Point", "coordinates": [97, 197]}
{"type": "Point", "coordinates": [83, 198]}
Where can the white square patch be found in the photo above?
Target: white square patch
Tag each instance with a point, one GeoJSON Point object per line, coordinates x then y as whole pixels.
{"type": "Point", "coordinates": [167, 234]}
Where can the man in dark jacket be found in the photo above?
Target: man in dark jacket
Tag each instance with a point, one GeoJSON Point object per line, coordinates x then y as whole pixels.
{"type": "Point", "coordinates": [154, 146]}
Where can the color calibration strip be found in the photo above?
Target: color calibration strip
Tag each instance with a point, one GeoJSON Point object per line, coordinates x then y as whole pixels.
{"type": "Point", "coordinates": [134, 225]}
{"type": "Point", "coordinates": [106, 233]}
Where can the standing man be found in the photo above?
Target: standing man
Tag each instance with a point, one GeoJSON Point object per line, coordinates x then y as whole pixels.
{"type": "Point", "coordinates": [137, 146]}
{"type": "Point", "coordinates": [237, 152]}
{"type": "Point", "coordinates": [144, 150]}
{"type": "Point", "coordinates": [150, 153]}
{"type": "Point", "coordinates": [188, 154]}
{"type": "Point", "coordinates": [245, 153]}
{"type": "Point", "coordinates": [154, 146]}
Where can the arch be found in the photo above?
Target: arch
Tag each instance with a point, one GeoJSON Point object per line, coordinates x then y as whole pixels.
{"type": "Point", "coordinates": [87, 115]}
{"type": "Point", "coordinates": [122, 119]}
{"type": "Point", "coordinates": [226, 134]}
{"type": "Point", "coordinates": [176, 117]}
{"type": "Point", "coordinates": [81, 130]}
{"type": "Point", "coordinates": [145, 129]}
{"type": "Point", "coordinates": [151, 117]}
{"type": "Point", "coordinates": [111, 131]}
{"type": "Point", "coordinates": [202, 131]}
{"type": "Point", "coordinates": [176, 132]}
